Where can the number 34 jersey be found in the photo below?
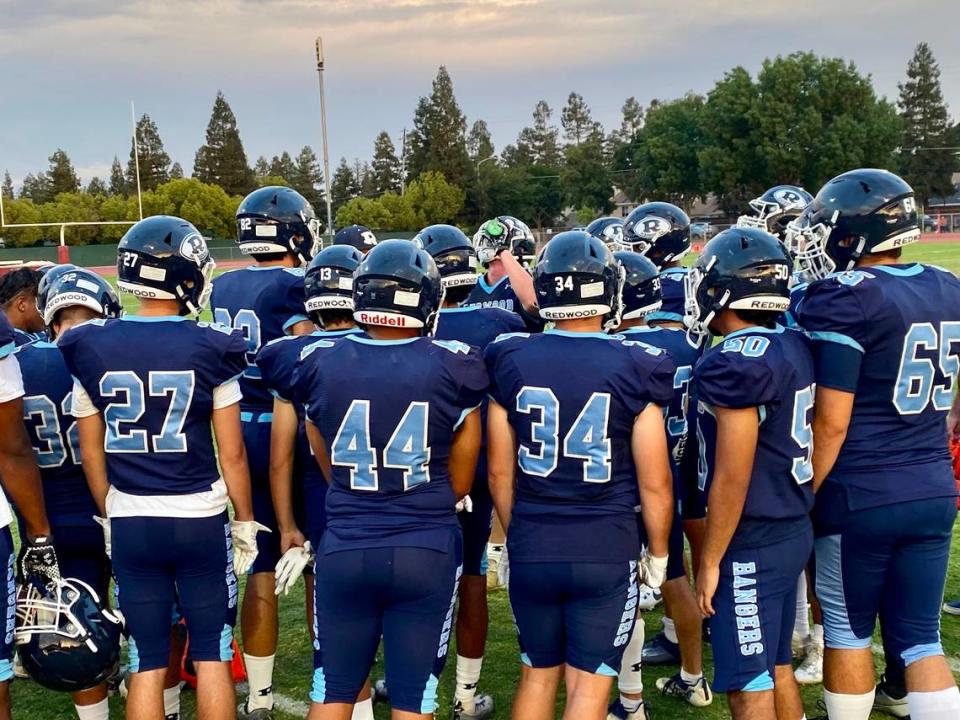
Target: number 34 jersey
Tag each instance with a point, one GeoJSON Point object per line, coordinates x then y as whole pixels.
{"type": "Point", "coordinates": [890, 334]}
{"type": "Point", "coordinates": [770, 370]}
{"type": "Point", "coordinates": [153, 379]}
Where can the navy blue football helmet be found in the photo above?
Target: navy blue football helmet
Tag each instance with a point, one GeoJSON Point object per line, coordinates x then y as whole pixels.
{"type": "Point", "coordinates": [577, 276]}
{"type": "Point", "coordinates": [452, 252]}
{"type": "Point", "coordinates": [659, 230]}
{"type": "Point", "coordinates": [397, 285]}
{"type": "Point", "coordinates": [776, 209]}
{"type": "Point", "coordinates": [67, 639]}
{"type": "Point", "coordinates": [609, 230]}
{"type": "Point", "coordinates": [358, 236]}
{"type": "Point", "coordinates": [80, 287]}
{"type": "Point", "coordinates": [741, 269]}
{"type": "Point", "coordinates": [859, 212]}
{"type": "Point", "coordinates": [641, 285]}
{"type": "Point", "coordinates": [50, 276]}
{"type": "Point", "coordinates": [166, 258]}
{"type": "Point", "coordinates": [275, 220]}
{"type": "Point", "coordinates": [328, 282]}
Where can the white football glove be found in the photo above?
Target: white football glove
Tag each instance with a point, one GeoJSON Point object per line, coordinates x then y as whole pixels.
{"type": "Point", "coordinates": [244, 535]}
{"type": "Point", "coordinates": [653, 569]}
{"type": "Point", "coordinates": [503, 569]}
{"type": "Point", "coordinates": [104, 523]}
{"type": "Point", "coordinates": [465, 504]}
{"type": "Point", "coordinates": [291, 567]}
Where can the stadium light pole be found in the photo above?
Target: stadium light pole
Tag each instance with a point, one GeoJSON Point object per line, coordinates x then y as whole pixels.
{"type": "Point", "coordinates": [326, 150]}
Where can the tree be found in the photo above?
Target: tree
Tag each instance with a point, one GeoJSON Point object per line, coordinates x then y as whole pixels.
{"type": "Point", "coordinates": [344, 185]}
{"type": "Point", "coordinates": [36, 188]}
{"type": "Point", "coordinates": [96, 187]}
{"type": "Point", "coordinates": [21, 211]}
{"type": "Point", "coordinates": [154, 161]}
{"type": "Point", "coordinates": [433, 199]}
{"type": "Point", "coordinates": [261, 168]}
{"type": "Point", "coordinates": [7, 187]}
{"type": "Point", "coordinates": [61, 176]}
{"type": "Point", "coordinates": [438, 139]}
{"type": "Point", "coordinates": [118, 182]}
{"type": "Point", "coordinates": [176, 171]}
{"type": "Point", "coordinates": [222, 160]}
{"type": "Point", "coordinates": [926, 125]}
{"type": "Point", "coordinates": [537, 145]}
{"type": "Point", "coordinates": [586, 176]}
{"type": "Point", "coordinates": [479, 142]}
{"type": "Point", "coordinates": [307, 178]}
{"type": "Point", "coordinates": [578, 125]}
{"type": "Point", "coordinates": [283, 166]}
{"type": "Point", "coordinates": [632, 122]}
{"type": "Point", "coordinates": [385, 169]}
{"type": "Point", "coordinates": [369, 212]}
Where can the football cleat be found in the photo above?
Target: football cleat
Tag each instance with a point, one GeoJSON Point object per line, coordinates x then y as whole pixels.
{"type": "Point", "coordinates": [482, 708]}
{"type": "Point", "coordinates": [380, 691]}
{"type": "Point", "coordinates": [697, 694]}
{"type": "Point", "coordinates": [810, 671]}
{"type": "Point", "coordinates": [891, 700]}
{"type": "Point", "coordinates": [648, 598]}
{"type": "Point", "coordinates": [616, 711]}
{"type": "Point", "coordinates": [952, 607]}
{"type": "Point", "coordinates": [660, 651]}
{"type": "Point", "coordinates": [258, 714]}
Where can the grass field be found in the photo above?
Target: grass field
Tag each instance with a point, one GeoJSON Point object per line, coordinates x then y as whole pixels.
{"type": "Point", "coordinates": [501, 667]}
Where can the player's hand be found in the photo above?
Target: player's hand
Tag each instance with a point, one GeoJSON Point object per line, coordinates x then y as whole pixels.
{"type": "Point", "coordinates": [707, 580]}
{"type": "Point", "coordinates": [653, 569]}
{"type": "Point", "coordinates": [291, 539]}
{"type": "Point", "coordinates": [465, 504]}
{"type": "Point", "coordinates": [38, 560]}
{"type": "Point", "coordinates": [291, 567]}
{"type": "Point", "coordinates": [104, 524]}
{"type": "Point", "coordinates": [244, 535]}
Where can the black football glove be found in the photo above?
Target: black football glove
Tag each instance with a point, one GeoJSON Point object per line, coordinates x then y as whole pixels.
{"type": "Point", "coordinates": [38, 561]}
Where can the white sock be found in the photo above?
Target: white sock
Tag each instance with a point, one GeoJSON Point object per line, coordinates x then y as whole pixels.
{"type": "Point", "coordinates": [630, 680]}
{"type": "Point", "coordinates": [817, 635]}
{"type": "Point", "coordinates": [363, 710]}
{"type": "Point", "coordinates": [171, 701]}
{"type": "Point", "coordinates": [937, 705]}
{"type": "Point", "coordinates": [468, 675]}
{"type": "Point", "coordinates": [97, 711]}
{"type": "Point", "coordinates": [631, 705]}
{"type": "Point", "coordinates": [848, 707]}
{"type": "Point", "coordinates": [690, 678]}
{"type": "Point", "coordinates": [260, 679]}
{"type": "Point", "coordinates": [670, 630]}
{"type": "Point", "coordinates": [801, 623]}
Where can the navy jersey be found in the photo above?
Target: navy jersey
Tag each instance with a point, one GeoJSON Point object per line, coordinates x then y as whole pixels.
{"type": "Point", "coordinates": [791, 318]}
{"type": "Point", "coordinates": [672, 288]}
{"type": "Point", "coordinates": [263, 303]}
{"type": "Point", "coordinates": [388, 411]}
{"type": "Point", "coordinates": [771, 370]}
{"type": "Point", "coordinates": [501, 295]}
{"type": "Point", "coordinates": [477, 325]}
{"type": "Point", "coordinates": [22, 337]}
{"type": "Point", "coordinates": [8, 342]}
{"type": "Point", "coordinates": [572, 399]}
{"type": "Point", "coordinates": [153, 380]}
{"type": "Point", "coordinates": [890, 335]}
{"type": "Point", "coordinates": [47, 404]}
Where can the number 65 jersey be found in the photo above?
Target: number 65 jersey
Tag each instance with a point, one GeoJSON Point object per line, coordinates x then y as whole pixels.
{"type": "Point", "coordinates": [890, 334]}
{"type": "Point", "coordinates": [156, 382]}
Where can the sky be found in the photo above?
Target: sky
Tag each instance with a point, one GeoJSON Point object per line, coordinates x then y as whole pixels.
{"type": "Point", "coordinates": [70, 68]}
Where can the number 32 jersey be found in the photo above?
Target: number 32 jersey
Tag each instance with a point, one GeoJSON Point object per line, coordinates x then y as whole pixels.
{"type": "Point", "coordinates": [771, 370]}
{"type": "Point", "coordinates": [890, 334]}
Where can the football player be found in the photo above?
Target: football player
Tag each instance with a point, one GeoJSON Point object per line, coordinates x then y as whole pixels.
{"type": "Point", "coordinates": [477, 326]}
{"type": "Point", "coordinates": [399, 444]}
{"type": "Point", "coordinates": [754, 402]}
{"type": "Point", "coordinates": [609, 230]}
{"type": "Point", "coordinates": [504, 245]}
{"type": "Point", "coordinates": [775, 209]}
{"type": "Point", "coordinates": [887, 341]}
{"type": "Point", "coordinates": [22, 484]}
{"type": "Point", "coordinates": [75, 297]}
{"type": "Point", "coordinates": [568, 507]}
{"type": "Point", "coordinates": [356, 236]}
{"type": "Point", "coordinates": [661, 232]}
{"type": "Point", "coordinates": [642, 296]}
{"type": "Point", "coordinates": [18, 300]}
{"type": "Point", "coordinates": [151, 392]}
{"type": "Point", "coordinates": [277, 227]}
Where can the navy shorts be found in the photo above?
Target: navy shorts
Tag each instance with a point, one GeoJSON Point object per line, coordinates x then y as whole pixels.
{"type": "Point", "coordinates": [161, 562]}
{"type": "Point", "coordinates": [888, 562]}
{"type": "Point", "coordinates": [8, 605]}
{"type": "Point", "coordinates": [755, 606]}
{"type": "Point", "coordinates": [82, 555]}
{"type": "Point", "coordinates": [476, 525]}
{"type": "Point", "coordinates": [578, 613]}
{"type": "Point", "coordinates": [405, 594]}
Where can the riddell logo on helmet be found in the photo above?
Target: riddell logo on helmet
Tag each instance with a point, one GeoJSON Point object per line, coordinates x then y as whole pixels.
{"type": "Point", "coordinates": [383, 319]}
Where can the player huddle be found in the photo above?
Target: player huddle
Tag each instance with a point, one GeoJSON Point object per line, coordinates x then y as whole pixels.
{"type": "Point", "coordinates": [367, 408]}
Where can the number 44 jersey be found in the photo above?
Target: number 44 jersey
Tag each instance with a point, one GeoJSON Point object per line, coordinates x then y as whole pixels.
{"type": "Point", "coordinates": [154, 380]}
{"type": "Point", "coordinates": [890, 334]}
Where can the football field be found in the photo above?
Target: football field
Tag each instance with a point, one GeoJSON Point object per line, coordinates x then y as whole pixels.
{"type": "Point", "coordinates": [501, 666]}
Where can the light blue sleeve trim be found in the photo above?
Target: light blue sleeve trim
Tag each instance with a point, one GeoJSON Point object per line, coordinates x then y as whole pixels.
{"type": "Point", "coordinates": [834, 337]}
{"type": "Point", "coordinates": [463, 416]}
{"type": "Point", "coordinates": [293, 321]}
{"type": "Point", "coordinates": [7, 349]}
{"type": "Point", "coordinates": [663, 316]}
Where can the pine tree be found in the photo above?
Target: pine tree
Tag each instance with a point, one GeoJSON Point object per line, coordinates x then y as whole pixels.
{"type": "Point", "coordinates": [62, 177]}
{"type": "Point", "coordinates": [925, 125]}
{"type": "Point", "coordinates": [176, 171]}
{"type": "Point", "coordinates": [632, 122]}
{"type": "Point", "coordinates": [366, 180]}
{"type": "Point", "coordinates": [385, 171]}
{"type": "Point", "coordinates": [438, 139]}
{"type": "Point", "coordinates": [261, 168]}
{"type": "Point", "coordinates": [344, 186]}
{"type": "Point", "coordinates": [154, 161]}
{"type": "Point", "coordinates": [222, 160]}
{"type": "Point", "coordinates": [37, 188]}
{"type": "Point", "coordinates": [578, 124]}
{"type": "Point", "coordinates": [283, 166]}
{"type": "Point", "coordinates": [96, 187]}
{"type": "Point", "coordinates": [537, 145]}
{"type": "Point", "coordinates": [7, 187]}
{"type": "Point", "coordinates": [307, 178]}
{"type": "Point", "coordinates": [479, 142]}
{"type": "Point", "coordinates": [118, 182]}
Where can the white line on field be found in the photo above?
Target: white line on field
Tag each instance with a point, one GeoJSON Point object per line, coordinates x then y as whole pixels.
{"type": "Point", "coordinates": [952, 662]}
{"type": "Point", "coordinates": [281, 702]}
